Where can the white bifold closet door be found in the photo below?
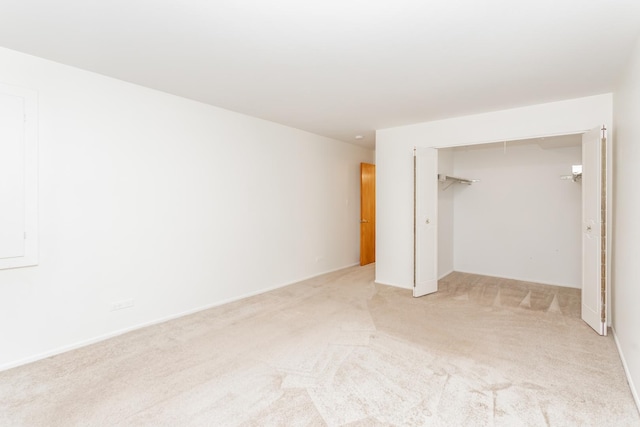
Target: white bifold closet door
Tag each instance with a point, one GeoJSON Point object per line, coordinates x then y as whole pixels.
{"type": "Point", "coordinates": [594, 239]}
{"type": "Point", "coordinates": [425, 221]}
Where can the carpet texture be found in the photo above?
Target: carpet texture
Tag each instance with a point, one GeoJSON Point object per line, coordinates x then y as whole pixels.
{"type": "Point", "coordinates": [341, 350]}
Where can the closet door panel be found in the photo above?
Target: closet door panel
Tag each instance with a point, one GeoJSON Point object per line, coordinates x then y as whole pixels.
{"type": "Point", "coordinates": [593, 230]}
{"type": "Point", "coordinates": [425, 221]}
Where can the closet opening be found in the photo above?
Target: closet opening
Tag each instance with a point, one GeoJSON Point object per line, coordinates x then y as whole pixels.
{"type": "Point", "coordinates": [520, 220]}
{"type": "Point", "coordinates": [516, 210]}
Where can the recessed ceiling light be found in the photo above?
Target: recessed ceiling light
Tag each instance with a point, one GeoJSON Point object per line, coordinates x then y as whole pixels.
{"type": "Point", "coordinates": [359, 136]}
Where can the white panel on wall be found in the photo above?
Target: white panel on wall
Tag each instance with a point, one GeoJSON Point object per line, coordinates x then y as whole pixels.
{"type": "Point", "coordinates": [18, 177]}
{"type": "Point", "coordinates": [11, 176]}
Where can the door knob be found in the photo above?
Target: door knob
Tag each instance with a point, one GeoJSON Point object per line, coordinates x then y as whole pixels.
{"type": "Point", "coordinates": [427, 221]}
{"type": "Point", "coordinates": [362, 221]}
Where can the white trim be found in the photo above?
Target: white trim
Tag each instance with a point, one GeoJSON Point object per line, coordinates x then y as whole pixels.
{"type": "Point", "coordinates": [516, 139]}
{"type": "Point", "coordinates": [393, 285]}
{"type": "Point", "coordinates": [376, 281]}
{"type": "Point", "coordinates": [634, 390]}
{"type": "Point", "coordinates": [113, 334]}
{"type": "Point", "coordinates": [541, 282]}
{"type": "Point", "coordinates": [30, 257]}
{"type": "Point", "coordinates": [446, 274]}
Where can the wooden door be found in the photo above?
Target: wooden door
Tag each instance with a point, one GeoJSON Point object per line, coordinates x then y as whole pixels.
{"type": "Point", "coordinates": [367, 213]}
{"type": "Point", "coordinates": [594, 239]}
{"type": "Point", "coordinates": [425, 216]}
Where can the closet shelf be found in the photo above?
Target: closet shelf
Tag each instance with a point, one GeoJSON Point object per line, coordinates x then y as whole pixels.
{"type": "Point", "coordinates": [456, 180]}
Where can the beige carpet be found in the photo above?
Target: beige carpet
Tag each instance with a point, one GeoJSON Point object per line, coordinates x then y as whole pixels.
{"type": "Point", "coordinates": [341, 350]}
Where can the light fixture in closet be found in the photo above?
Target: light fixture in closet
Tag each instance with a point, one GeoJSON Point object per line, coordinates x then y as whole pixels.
{"type": "Point", "coordinates": [576, 174]}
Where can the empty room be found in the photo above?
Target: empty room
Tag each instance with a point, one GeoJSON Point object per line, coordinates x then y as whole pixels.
{"type": "Point", "coordinates": [182, 213]}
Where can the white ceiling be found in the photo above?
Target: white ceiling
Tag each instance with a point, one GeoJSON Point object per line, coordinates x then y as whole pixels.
{"type": "Point", "coordinates": [339, 68]}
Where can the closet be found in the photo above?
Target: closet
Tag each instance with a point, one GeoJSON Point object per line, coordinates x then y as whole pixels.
{"type": "Point", "coordinates": [504, 210]}
{"type": "Point", "coordinates": [521, 210]}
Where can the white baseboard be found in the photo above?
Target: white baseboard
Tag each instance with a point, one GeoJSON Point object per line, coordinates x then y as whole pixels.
{"type": "Point", "coordinates": [84, 343]}
{"type": "Point", "coordinates": [394, 285]}
{"type": "Point", "coordinates": [445, 274]}
{"type": "Point", "coordinates": [634, 390]}
{"type": "Point", "coordinates": [522, 279]}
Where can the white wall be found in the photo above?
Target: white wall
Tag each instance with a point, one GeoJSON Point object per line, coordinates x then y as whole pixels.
{"type": "Point", "coordinates": [394, 148]}
{"type": "Point", "coordinates": [445, 214]}
{"type": "Point", "coordinates": [521, 221]}
{"type": "Point", "coordinates": [176, 204]}
{"type": "Point", "coordinates": [626, 268]}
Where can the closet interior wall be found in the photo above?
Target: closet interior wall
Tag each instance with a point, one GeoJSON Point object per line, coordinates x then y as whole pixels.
{"type": "Point", "coordinates": [521, 220]}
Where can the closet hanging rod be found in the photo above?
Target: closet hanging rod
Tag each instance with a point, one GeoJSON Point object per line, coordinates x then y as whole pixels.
{"type": "Point", "coordinates": [577, 177]}
{"type": "Point", "coordinates": [455, 179]}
